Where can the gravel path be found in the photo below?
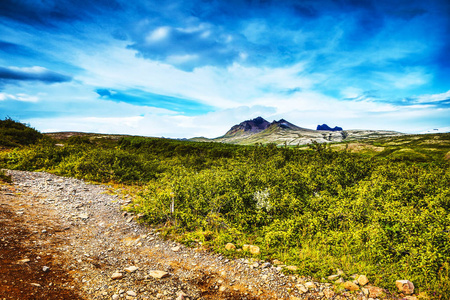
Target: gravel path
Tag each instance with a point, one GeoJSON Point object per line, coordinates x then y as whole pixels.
{"type": "Point", "coordinates": [62, 238]}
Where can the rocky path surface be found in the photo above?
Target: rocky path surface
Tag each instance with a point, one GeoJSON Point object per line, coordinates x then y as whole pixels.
{"type": "Point", "coordinates": [62, 238]}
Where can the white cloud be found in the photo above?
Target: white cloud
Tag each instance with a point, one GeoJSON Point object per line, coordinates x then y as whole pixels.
{"type": "Point", "coordinates": [19, 97]}
{"type": "Point", "coordinates": [433, 97]}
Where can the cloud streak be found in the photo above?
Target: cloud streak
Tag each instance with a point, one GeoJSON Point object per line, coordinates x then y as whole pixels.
{"type": "Point", "coordinates": [36, 73]}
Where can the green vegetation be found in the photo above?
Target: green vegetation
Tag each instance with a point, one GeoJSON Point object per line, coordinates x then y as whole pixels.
{"type": "Point", "coordinates": [13, 134]}
{"type": "Point", "coordinates": [384, 212]}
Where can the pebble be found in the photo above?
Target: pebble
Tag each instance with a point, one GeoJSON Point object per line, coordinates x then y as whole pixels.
{"type": "Point", "coordinates": [158, 274]}
{"type": "Point", "coordinates": [131, 269]}
{"type": "Point", "coordinates": [45, 269]}
{"type": "Point", "coordinates": [117, 275]}
{"type": "Point", "coordinates": [131, 293]}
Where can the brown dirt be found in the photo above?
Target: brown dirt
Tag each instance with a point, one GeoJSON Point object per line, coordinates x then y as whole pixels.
{"type": "Point", "coordinates": [28, 280]}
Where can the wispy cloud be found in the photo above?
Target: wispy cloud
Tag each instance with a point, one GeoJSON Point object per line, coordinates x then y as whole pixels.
{"type": "Point", "coordinates": [36, 73]}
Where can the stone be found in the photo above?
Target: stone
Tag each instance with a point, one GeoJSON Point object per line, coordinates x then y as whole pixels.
{"type": "Point", "coordinates": [310, 285]}
{"type": "Point", "coordinates": [230, 247]}
{"type": "Point", "coordinates": [302, 289]}
{"type": "Point", "coordinates": [176, 249]}
{"type": "Point", "coordinates": [328, 293]}
{"type": "Point", "coordinates": [294, 298]}
{"type": "Point", "coordinates": [277, 262]}
{"type": "Point", "coordinates": [292, 268]}
{"type": "Point", "coordinates": [362, 280]}
{"type": "Point", "coordinates": [83, 216]}
{"type": "Point", "coordinates": [222, 288]}
{"type": "Point", "coordinates": [254, 250]}
{"type": "Point", "coordinates": [348, 285]}
{"type": "Point", "coordinates": [131, 293]}
{"type": "Point", "coordinates": [23, 261]}
{"type": "Point", "coordinates": [131, 269]}
{"type": "Point", "coordinates": [365, 291]}
{"type": "Point", "coordinates": [158, 274]}
{"type": "Point", "coordinates": [36, 284]}
{"type": "Point", "coordinates": [117, 275]}
{"type": "Point", "coordinates": [265, 265]}
{"type": "Point", "coordinates": [333, 277]}
{"type": "Point", "coordinates": [375, 292]}
{"type": "Point", "coordinates": [181, 295]}
{"type": "Point", "coordinates": [405, 286]}
{"type": "Point", "coordinates": [339, 281]}
{"type": "Point", "coordinates": [45, 269]}
{"type": "Point", "coordinates": [115, 297]}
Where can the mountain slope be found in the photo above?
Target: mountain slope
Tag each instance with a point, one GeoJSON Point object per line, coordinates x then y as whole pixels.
{"type": "Point", "coordinates": [283, 132]}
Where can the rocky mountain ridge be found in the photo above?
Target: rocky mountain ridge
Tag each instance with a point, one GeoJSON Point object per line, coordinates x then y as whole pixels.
{"type": "Point", "coordinates": [282, 132]}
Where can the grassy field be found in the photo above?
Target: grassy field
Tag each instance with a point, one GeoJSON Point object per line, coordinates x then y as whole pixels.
{"type": "Point", "coordinates": [379, 207]}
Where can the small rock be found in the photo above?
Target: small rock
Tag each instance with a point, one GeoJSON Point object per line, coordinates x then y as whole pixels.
{"type": "Point", "coordinates": [23, 261]}
{"type": "Point", "coordinates": [292, 268]}
{"type": "Point", "coordinates": [277, 262]}
{"type": "Point", "coordinates": [328, 293]}
{"type": "Point", "coordinates": [294, 298]}
{"type": "Point", "coordinates": [362, 280]}
{"type": "Point", "coordinates": [310, 285]}
{"type": "Point", "coordinates": [230, 247]}
{"type": "Point", "coordinates": [254, 250]}
{"type": "Point", "coordinates": [339, 281]}
{"type": "Point", "coordinates": [117, 275]}
{"type": "Point", "coordinates": [350, 286]}
{"type": "Point", "coordinates": [83, 216]}
{"type": "Point", "coordinates": [333, 277]}
{"type": "Point", "coordinates": [405, 286]}
{"type": "Point", "coordinates": [36, 284]}
{"type": "Point", "coordinates": [222, 289]}
{"type": "Point", "coordinates": [265, 265]}
{"type": "Point", "coordinates": [158, 274]}
{"type": "Point", "coordinates": [375, 292]}
{"type": "Point", "coordinates": [176, 249]}
{"type": "Point", "coordinates": [302, 289]}
{"type": "Point", "coordinates": [131, 293]}
{"type": "Point", "coordinates": [115, 297]}
{"type": "Point", "coordinates": [45, 269]}
{"type": "Point", "coordinates": [131, 269]}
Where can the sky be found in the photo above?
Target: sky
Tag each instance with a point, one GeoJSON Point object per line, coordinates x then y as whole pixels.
{"type": "Point", "coordinates": [183, 69]}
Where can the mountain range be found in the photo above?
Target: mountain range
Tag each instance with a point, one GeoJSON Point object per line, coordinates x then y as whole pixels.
{"type": "Point", "coordinates": [282, 132]}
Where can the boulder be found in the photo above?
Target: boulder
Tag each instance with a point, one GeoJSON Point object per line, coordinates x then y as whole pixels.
{"type": "Point", "coordinates": [362, 280]}
{"type": "Point", "coordinates": [350, 286]}
{"type": "Point", "coordinates": [254, 250]}
{"type": "Point", "coordinates": [230, 247]}
{"type": "Point", "coordinates": [405, 286]}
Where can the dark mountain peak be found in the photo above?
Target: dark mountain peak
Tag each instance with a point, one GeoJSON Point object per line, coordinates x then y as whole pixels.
{"type": "Point", "coordinates": [282, 123]}
{"type": "Point", "coordinates": [326, 127]}
{"type": "Point", "coordinates": [250, 126]}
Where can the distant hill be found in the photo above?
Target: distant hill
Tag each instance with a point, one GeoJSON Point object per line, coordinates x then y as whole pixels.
{"type": "Point", "coordinates": [326, 127]}
{"type": "Point", "coordinates": [282, 132]}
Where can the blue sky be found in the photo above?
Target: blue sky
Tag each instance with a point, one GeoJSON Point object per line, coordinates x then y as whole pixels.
{"type": "Point", "coordinates": [195, 68]}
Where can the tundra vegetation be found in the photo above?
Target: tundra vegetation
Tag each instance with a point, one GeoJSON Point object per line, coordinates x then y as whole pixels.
{"type": "Point", "coordinates": [380, 208]}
